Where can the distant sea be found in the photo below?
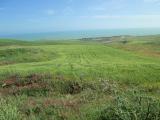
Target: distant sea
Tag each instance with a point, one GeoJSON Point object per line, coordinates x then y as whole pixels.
{"type": "Point", "coordinates": [65, 35]}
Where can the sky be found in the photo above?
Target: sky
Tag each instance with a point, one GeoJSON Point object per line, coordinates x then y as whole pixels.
{"type": "Point", "coordinates": [27, 16]}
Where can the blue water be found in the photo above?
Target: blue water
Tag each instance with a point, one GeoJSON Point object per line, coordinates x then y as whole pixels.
{"type": "Point", "coordinates": [64, 35]}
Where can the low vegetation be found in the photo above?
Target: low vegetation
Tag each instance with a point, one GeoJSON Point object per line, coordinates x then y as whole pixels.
{"type": "Point", "coordinates": [115, 78]}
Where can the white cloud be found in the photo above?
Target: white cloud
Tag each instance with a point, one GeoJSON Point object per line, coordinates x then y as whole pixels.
{"type": "Point", "coordinates": [98, 8]}
{"type": "Point", "coordinates": [123, 16]}
{"type": "Point", "coordinates": [108, 5]}
{"type": "Point", "coordinates": [68, 11]}
{"type": "Point", "coordinates": [151, 1]}
{"type": "Point", "coordinates": [123, 21]}
{"type": "Point", "coordinates": [50, 12]}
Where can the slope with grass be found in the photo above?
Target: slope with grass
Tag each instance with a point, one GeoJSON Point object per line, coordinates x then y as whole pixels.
{"type": "Point", "coordinates": [80, 79]}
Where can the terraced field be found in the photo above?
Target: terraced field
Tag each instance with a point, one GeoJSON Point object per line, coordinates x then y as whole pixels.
{"type": "Point", "coordinates": [78, 80]}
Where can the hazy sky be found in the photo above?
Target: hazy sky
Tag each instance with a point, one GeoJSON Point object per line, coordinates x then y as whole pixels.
{"type": "Point", "coordinates": [20, 16]}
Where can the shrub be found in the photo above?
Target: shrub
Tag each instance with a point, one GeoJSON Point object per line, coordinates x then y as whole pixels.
{"type": "Point", "coordinates": [132, 107]}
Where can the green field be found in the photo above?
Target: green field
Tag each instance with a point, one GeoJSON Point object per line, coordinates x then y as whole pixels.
{"type": "Point", "coordinates": [116, 78]}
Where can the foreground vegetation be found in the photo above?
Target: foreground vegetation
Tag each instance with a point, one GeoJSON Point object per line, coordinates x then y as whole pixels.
{"type": "Point", "coordinates": [116, 78]}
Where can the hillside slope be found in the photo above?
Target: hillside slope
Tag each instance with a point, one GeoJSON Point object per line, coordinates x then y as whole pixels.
{"type": "Point", "coordinates": [90, 80]}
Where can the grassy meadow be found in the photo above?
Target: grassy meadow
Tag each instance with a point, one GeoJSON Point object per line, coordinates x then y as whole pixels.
{"type": "Point", "coordinates": [110, 78]}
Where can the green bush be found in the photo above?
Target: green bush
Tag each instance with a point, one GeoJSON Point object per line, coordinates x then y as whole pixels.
{"type": "Point", "coordinates": [132, 107]}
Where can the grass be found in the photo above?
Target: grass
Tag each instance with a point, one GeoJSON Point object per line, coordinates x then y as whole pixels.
{"type": "Point", "coordinates": [80, 79]}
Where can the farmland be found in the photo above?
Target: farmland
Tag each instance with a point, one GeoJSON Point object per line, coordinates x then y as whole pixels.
{"type": "Point", "coordinates": [87, 79]}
